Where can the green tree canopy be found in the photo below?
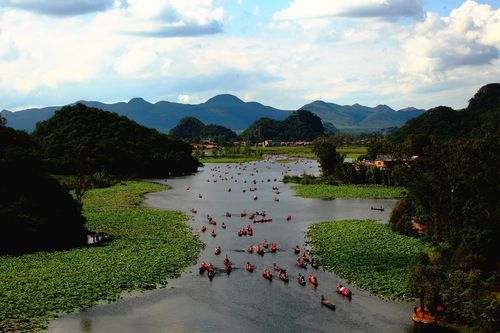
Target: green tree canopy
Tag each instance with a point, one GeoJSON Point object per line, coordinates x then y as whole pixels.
{"type": "Point", "coordinates": [326, 151]}
{"type": "Point", "coordinates": [79, 136]}
{"type": "Point", "coordinates": [36, 213]}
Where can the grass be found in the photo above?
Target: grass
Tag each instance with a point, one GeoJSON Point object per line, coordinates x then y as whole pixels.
{"type": "Point", "coordinates": [149, 247]}
{"type": "Point", "coordinates": [353, 151]}
{"type": "Point", "coordinates": [328, 192]}
{"type": "Point", "coordinates": [367, 254]}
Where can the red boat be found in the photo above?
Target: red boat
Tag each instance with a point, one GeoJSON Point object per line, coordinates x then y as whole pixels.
{"type": "Point", "coordinates": [217, 250]}
{"type": "Point", "coordinates": [223, 225]}
{"type": "Point", "coordinates": [283, 276]}
{"type": "Point", "coordinates": [260, 250]}
{"type": "Point", "coordinates": [250, 249]}
{"type": "Point", "coordinates": [276, 267]}
{"type": "Point", "coordinates": [273, 247]}
{"type": "Point", "coordinates": [267, 274]}
{"type": "Point", "coordinates": [301, 264]}
{"type": "Point", "coordinates": [203, 267]}
{"type": "Point", "coordinates": [250, 233]}
{"type": "Point", "coordinates": [193, 210]}
{"type": "Point", "coordinates": [249, 228]}
{"type": "Point", "coordinates": [244, 213]}
{"type": "Point", "coordinates": [265, 244]}
{"type": "Point", "coordinates": [249, 267]}
{"type": "Point", "coordinates": [214, 234]}
{"type": "Point", "coordinates": [313, 281]}
{"type": "Point", "coordinates": [296, 250]}
{"type": "Point", "coordinates": [251, 216]}
{"type": "Point", "coordinates": [343, 291]}
{"type": "Point", "coordinates": [203, 228]}
{"type": "Point", "coordinates": [289, 217]}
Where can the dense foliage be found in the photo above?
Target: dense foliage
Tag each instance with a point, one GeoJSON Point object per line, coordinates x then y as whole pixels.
{"type": "Point", "coordinates": [299, 126]}
{"type": "Point", "coordinates": [193, 130]}
{"type": "Point", "coordinates": [328, 158]}
{"type": "Point", "coordinates": [36, 213]}
{"type": "Point", "coordinates": [453, 197]}
{"type": "Point", "coordinates": [366, 253]}
{"type": "Point", "coordinates": [148, 247]}
{"type": "Point", "coordinates": [80, 139]}
{"type": "Point", "coordinates": [327, 192]}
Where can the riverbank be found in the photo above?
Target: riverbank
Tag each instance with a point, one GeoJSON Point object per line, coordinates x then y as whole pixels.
{"type": "Point", "coordinates": [329, 192]}
{"type": "Point", "coordinates": [148, 247]}
{"type": "Point", "coordinates": [367, 254]}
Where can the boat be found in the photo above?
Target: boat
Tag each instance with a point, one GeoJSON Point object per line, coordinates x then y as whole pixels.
{"type": "Point", "coordinates": [267, 274]}
{"type": "Point", "coordinates": [273, 247]}
{"type": "Point", "coordinates": [314, 264]}
{"type": "Point", "coordinates": [276, 267]}
{"type": "Point", "coordinates": [228, 214]}
{"type": "Point", "coordinates": [265, 244]}
{"type": "Point", "coordinates": [250, 249]}
{"type": "Point", "coordinates": [203, 228]}
{"type": "Point", "coordinates": [251, 216]}
{"type": "Point", "coordinates": [244, 213]}
{"type": "Point", "coordinates": [250, 233]}
{"type": "Point", "coordinates": [301, 279]}
{"type": "Point", "coordinates": [289, 217]}
{"type": "Point", "coordinates": [214, 234]}
{"type": "Point", "coordinates": [250, 267]}
{"type": "Point", "coordinates": [217, 250]}
{"type": "Point", "coordinates": [296, 250]}
{"type": "Point", "coordinates": [260, 250]}
{"type": "Point", "coordinates": [223, 225]}
{"type": "Point", "coordinates": [313, 281]}
{"type": "Point", "coordinates": [422, 318]}
{"type": "Point", "coordinates": [211, 273]}
{"type": "Point", "coordinates": [283, 276]}
{"type": "Point", "coordinates": [343, 291]}
{"type": "Point", "coordinates": [240, 233]}
{"type": "Point", "coordinates": [305, 257]}
{"type": "Point", "coordinates": [301, 264]}
{"type": "Point", "coordinates": [193, 210]}
{"type": "Point", "coordinates": [327, 303]}
{"type": "Point", "coordinates": [228, 268]}
{"type": "Point", "coordinates": [203, 267]}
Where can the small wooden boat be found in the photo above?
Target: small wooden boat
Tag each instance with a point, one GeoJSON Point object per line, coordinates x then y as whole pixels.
{"type": "Point", "coordinates": [283, 276]}
{"type": "Point", "coordinates": [214, 234]}
{"type": "Point", "coordinates": [343, 291]}
{"type": "Point", "coordinates": [327, 303]}
{"type": "Point", "coordinates": [228, 214]}
{"type": "Point", "coordinates": [276, 267]}
{"type": "Point", "coordinates": [422, 319]}
{"type": "Point", "coordinates": [289, 217]}
{"type": "Point", "coordinates": [314, 264]}
{"type": "Point", "coordinates": [313, 281]}
{"type": "Point", "coordinates": [211, 273]}
{"type": "Point", "coordinates": [267, 274]}
{"type": "Point", "coordinates": [223, 225]}
{"type": "Point", "coordinates": [301, 280]}
{"type": "Point", "coordinates": [273, 247]}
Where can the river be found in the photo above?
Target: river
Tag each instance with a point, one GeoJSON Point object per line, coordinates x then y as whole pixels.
{"type": "Point", "coordinates": [243, 301]}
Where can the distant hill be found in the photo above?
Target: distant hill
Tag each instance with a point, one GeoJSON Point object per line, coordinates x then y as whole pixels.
{"type": "Point", "coordinates": [298, 126]}
{"type": "Point", "coordinates": [193, 130]}
{"type": "Point", "coordinates": [228, 111]}
{"type": "Point", "coordinates": [358, 118]}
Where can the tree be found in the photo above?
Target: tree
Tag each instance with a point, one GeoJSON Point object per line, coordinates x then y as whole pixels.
{"type": "Point", "coordinates": [36, 213]}
{"type": "Point", "coordinates": [111, 142]}
{"type": "Point", "coordinates": [326, 151]}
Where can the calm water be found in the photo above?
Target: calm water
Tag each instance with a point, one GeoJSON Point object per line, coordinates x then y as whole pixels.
{"type": "Point", "coordinates": [243, 301]}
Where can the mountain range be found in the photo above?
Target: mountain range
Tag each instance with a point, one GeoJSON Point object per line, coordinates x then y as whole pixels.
{"type": "Point", "coordinates": [229, 111]}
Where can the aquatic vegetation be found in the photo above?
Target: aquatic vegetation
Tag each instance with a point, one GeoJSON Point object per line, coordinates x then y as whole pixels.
{"type": "Point", "coordinates": [325, 191]}
{"type": "Point", "coordinates": [367, 254]}
{"type": "Point", "coordinates": [148, 247]}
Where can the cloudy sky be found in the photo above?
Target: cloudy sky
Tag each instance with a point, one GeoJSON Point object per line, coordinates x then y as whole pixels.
{"type": "Point", "coordinates": [281, 53]}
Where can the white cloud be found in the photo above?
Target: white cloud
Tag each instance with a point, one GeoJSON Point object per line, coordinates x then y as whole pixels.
{"type": "Point", "coordinates": [184, 99]}
{"type": "Point", "coordinates": [304, 9]}
{"type": "Point", "coordinates": [439, 45]}
{"type": "Point", "coordinates": [136, 62]}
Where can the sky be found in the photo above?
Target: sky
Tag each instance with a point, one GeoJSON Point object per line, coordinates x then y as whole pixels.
{"type": "Point", "coordinates": [285, 54]}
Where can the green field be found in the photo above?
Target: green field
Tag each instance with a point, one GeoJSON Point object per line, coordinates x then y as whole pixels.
{"type": "Point", "coordinates": [149, 247]}
{"type": "Point", "coordinates": [328, 192]}
{"type": "Point", "coordinates": [367, 254]}
{"type": "Point", "coordinates": [353, 151]}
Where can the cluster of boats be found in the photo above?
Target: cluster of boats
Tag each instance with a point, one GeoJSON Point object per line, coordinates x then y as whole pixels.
{"type": "Point", "coordinates": [303, 259]}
